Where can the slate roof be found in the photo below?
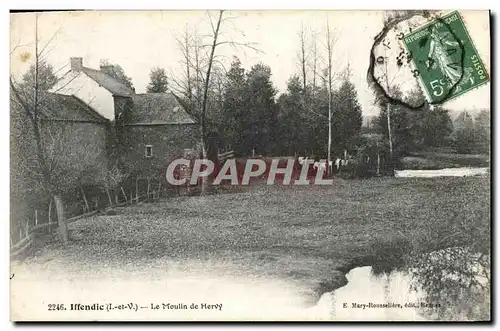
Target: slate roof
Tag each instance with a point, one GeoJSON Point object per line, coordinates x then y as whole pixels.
{"type": "Point", "coordinates": [158, 108]}
{"type": "Point", "coordinates": [61, 107]}
{"type": "Point", "coordinates": [109, 83]}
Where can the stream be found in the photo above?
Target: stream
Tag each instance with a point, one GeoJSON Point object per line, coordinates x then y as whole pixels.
{"type": "Point", "coordinates": [446, 172]}
{"type": "Point", "coordinates": [452, 284]}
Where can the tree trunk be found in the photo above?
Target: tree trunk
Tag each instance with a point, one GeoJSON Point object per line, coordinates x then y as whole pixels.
{"type": "Point", "coordinates": [188, 66]}
{"type": "Point", "coordinates": [137, 190]}
{"type": "Point", "coordinates": [124, 195]}
{"type": "Point", "coordinates": [334, 306]}
{"type": "Point", "coordinates": [378, 164]}
{"type": "Point", "coordinates": [204, 179]}
{"type": "Point", "coordinates": [61, 219]}
{"type": "Point", "coordinates": [50, 210]}
{"type": "Point", "coordinates": [109, 198]}
{"type": "Point", "coordinates": [391, 156]}
{"type": "Point", "coordinates": [303, 63]}
{"type": "Point", "coordinates": [50, 216]}
{"type": "Point", "coordinates": [329, 48]}
{"type": "Point", "coordinates": [149, 186]}
{"type": "Point", "coordinates": [205, 96]}
{"type": "Point", "coordinates": [387, 285]}
{"type": "Point", "coordinates": [390, 137]}
{"type": "Point", "coordinates": [159, 188]}
{"type": "Point", "coordinates": [85, 199]}
{"type": "Point", "coordinates": [329, 130]}
{"type": "Point", "coordinates": [315, 59]}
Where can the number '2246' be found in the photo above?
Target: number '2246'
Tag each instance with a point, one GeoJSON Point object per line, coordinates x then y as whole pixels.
{"type": "Point", "coordinates": [53, 306]}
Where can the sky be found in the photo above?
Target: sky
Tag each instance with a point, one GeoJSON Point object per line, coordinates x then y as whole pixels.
{"type": "Point", "coordinates": [140, 40]}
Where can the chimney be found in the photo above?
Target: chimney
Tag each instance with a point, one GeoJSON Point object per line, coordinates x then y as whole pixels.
{"type": "Point", "coordinates": [76, 63]}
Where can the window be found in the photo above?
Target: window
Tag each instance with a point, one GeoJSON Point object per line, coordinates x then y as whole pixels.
{"type": "Point", "coordinates": [149, 150]}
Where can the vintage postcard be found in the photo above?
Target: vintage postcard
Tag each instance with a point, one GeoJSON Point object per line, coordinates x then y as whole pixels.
{"type": "Point", "coordinates": [250, 165]}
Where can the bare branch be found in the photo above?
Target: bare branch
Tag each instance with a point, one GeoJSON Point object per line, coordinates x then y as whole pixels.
{"type": "Point", "coordinates": [21, 101]}
{"type": "Point", "coordinates": [48, 42]}
{"type": "Point", "coordinates": [308, 108]}
{"type": "Point", "coordinates": [61, 68]}
{"type": "Point", "coordinates": [16, 47]}
{"type": "Point", "coordinates": [67, 83]}
{"type": "Point", "coordinates": [211, 23]}
{"type": "Point", "coordinates": [235, 44]}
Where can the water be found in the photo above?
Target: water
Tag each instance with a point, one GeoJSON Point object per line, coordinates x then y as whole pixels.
{"type": "Point", "coordinates": [362, 298]}
{"type": "Point", "coordinates": [450, 284]}
{"type": "Point", "coordinates": [447, 172]}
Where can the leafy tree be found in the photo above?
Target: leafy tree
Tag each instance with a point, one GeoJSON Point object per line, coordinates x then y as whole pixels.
{"type": "Point", "coordinates": [347, 117]}
{"type": "Point", "coordinates": [428, 126]}
{"type": "Point", "coordinates": [483, 131]}
{"type": "Point", "coordinates": [158, 81]}
{"type": "Point", "coordinates": [234, 103]}
{"type": "Point", "coordinates": [117, 72]}
{"type": "Point", "coordinates": [250, 111]}
{"type": "Point", "coordinates": [414, 129]}
{"type": "Point", "coordinates": [400, 124]}
{"type": "Point", "coordinates": [293, 129]}
{"type": "Point", "coordinates": [46, 77]}
{"type": "Point", "coordinates": [316, 123]}
{"type": "Point", "coordinates": [463, 134]}
{"type": "Point", "coordinates": [260, 118]}
{"type": "Point", "coordinates": [436, 126]}
{"type": "Point", "coordinates": [452, 275]}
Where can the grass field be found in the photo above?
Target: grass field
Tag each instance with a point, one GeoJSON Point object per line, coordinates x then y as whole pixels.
{"type": "Point", "coordinates": [308, 235]}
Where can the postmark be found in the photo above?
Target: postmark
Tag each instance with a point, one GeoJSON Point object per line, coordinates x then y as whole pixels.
{"type": "Point", "coordinates": [445, 57]}
{"type": "Point", "coordinates": [391, 70]}
{"type": "Point", "coordinates": [425, 50]}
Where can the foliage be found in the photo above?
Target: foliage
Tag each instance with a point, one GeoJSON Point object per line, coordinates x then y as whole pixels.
{"type": "Point", "coordinates": [117, 72]}
{"type": "Point", "coordinates": [413, 130]}
{"type": "Point", "coordinates": [259, 121]}
{"type": "Point", "coordinates": [400, 124]}
{"type": "Point", "coordinates": [303, 123]}
{"type": "Point", "coordinates": [347, 117]}
{"type": "Point", "coordinates": [456, 278]}
{"type": "Point", "coordinates": [46, 77]}
{"type": "Point", "coordinates": [73, 159]}
{"type": "Point", "coordinates": [482, 131]}
{"type": "Point", "coordinates": [114, 177]}
{"type": "Point", "coordinates": [464, 133]}
{"type": "Point", "coordinates": [293, 129]}
{"type": "Point", "coordinates": [435, 127]}
{"type": "Point", "coordinates": [234, 102]}
{"type": "Point", "coordinates": [250, 110]}
{"type": "Point", "coordinates": [158, 81]}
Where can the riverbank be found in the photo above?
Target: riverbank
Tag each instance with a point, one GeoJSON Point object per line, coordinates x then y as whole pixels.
{"type": "Point", "coordinates": [441, 158]}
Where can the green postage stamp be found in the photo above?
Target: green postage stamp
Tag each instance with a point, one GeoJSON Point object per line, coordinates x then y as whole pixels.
{"type": "Point", "coordinates": [445, 57]}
